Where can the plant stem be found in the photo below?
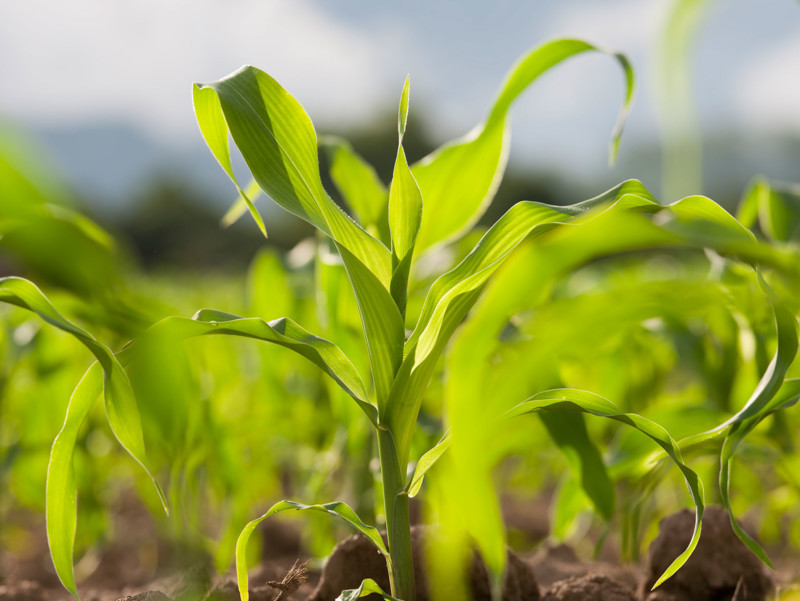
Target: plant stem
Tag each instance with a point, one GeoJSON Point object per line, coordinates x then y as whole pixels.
{"type": "Point", "coordinates": [398, 525]}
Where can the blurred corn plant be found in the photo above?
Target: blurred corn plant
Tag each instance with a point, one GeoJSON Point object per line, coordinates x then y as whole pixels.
{"type": "Point", "coordinates": [191, 397]}
{"type": "Point", "coordinates": [518, 312]}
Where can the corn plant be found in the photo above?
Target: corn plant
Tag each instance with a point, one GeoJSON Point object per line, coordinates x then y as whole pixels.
{"type": "Point", "coordinates": [279, 145]}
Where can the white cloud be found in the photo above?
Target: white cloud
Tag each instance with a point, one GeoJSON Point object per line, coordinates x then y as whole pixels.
{"type": "Point", "coordinates": [88, 59]}
{"type": "Point", "coordinates": [768, 91]}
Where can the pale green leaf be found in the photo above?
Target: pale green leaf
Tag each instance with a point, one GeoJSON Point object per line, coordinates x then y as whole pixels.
{"type": "Point", "coordinates": [212, 125]}
{"type": "Point", "coordinates": [340, 510]}
{"type": "Point", "coordinates": [277, 141]}
{"type": "Point", "coordinates": [61, 508]}
{"type": "Point", "coordinates": [425, 463]}
{"type": "Point", "coordinates": [405, 212]}
{"type": "Point", "coordinates": [459, 180]}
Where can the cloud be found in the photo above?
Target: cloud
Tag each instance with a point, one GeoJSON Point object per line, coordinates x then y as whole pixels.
{"type": "Point", "coordinates": [87, 60]}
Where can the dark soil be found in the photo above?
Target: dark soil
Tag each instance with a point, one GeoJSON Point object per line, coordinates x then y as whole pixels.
{"type": "Point", "coordinates": [721, 569]}
{"type": "Point", "coordinates": [356, 558]}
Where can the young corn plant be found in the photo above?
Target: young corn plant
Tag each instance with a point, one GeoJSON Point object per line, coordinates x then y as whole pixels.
{"type": "Point", "coordinates": [429, 203]}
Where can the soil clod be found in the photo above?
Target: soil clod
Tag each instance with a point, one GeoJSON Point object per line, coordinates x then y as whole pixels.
{"type": "Point", "coordinates": [722, 568]}
{"type": "Point", "coordinates": [591, 587]}
{"type": "Point", "coordinates": [356, 558]}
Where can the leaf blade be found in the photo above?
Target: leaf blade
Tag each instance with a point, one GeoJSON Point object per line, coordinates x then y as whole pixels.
{"type": "Point", "coordinates": [454, 204]}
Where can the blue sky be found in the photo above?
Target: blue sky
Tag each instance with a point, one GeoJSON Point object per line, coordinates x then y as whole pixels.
{"type": "Point", "coordinates": [89, 61]}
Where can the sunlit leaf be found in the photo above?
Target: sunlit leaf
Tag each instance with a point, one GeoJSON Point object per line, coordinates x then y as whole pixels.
{"type": "Point", "coordinates": [425, 463]}
{"type": "Point", "coordinates": [459, 180]}
{"type": "Point", "coordinates": [279, 145]}
{"type": "Point", "coordinates": [405, 212]}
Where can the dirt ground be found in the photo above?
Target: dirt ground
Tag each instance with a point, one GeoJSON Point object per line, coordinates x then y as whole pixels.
{"type": "Point", "coordinates": [721, 569]}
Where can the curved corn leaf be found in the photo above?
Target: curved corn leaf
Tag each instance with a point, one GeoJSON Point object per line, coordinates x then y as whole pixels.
{"type": "Point", "coordinates": [565, 399]}
{"type": "Point", "coordinates": [359, 184]}
{"type": "Point", "coordinates": [459, 180]}
{"type": "Point", "coordinates": [405, 212]}
{"type": "Point", "coordinates": [61, 509]}
{"type": "Point", "coordinates": [568, 431]}
{"type": "Point", "coordinates": [279, 145]}
{"type": "Point", "coordinates": [787, 396]}
{"type": "Point", "coordinates": [425, 463]}
{"type": "Point", "coordinates": [209, 115]}
{"type": "Point", "coordinates": [367, 587]}
{"type": "Point", "coordinates": [503, 237]}
{"type": "Point", "coordinates": [284, 332]}
{"type": "Point", "coordinates": [120, 405]}
{"type": "Point", "coordinates": [340, 510]}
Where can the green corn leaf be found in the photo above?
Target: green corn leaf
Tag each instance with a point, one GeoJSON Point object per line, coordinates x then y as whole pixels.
{"type": "Point", "coordinates": [240, 206]}
{"type": "Point", "coordinates": [568, 431]}
{"type": "Point", "coordinates": [459, 180]}
{"type": "Point", "coordinates": [383, 326]}
{"type": "Point", "coordinates": [405, 212]}
{"type": "Point", "coordinates": [564, 399]}
{"type": "Point", "coordinates": [425, 463]}
{"type": "Point", "coordinates": [367, 587]}
{"type": "Point", "coordinates": [787, 396]}
{"type": "Point", "coordinates": [120, 405]}
{"type": "Point", "coordinates": [340, 510]}
{"type": "Point", "coordinates": [61, 508]}
{"type": "Point", "coordinates": [359, 185]}
{"type": "Point", "coordinates": [284, 332]}
{"type": "Point", "coordinates": [212, 125]}
{"type": "Point", "coordinates": [278, 142]}
{"type": "Point", "coordinates": [503, 237]}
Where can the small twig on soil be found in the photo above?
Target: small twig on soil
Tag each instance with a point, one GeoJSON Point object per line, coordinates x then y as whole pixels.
{"type": "Point", "coordinates": [295, 577]}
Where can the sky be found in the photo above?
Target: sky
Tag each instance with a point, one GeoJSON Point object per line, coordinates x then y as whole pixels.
{"type": "Point", "coordinates": [83, 62]}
